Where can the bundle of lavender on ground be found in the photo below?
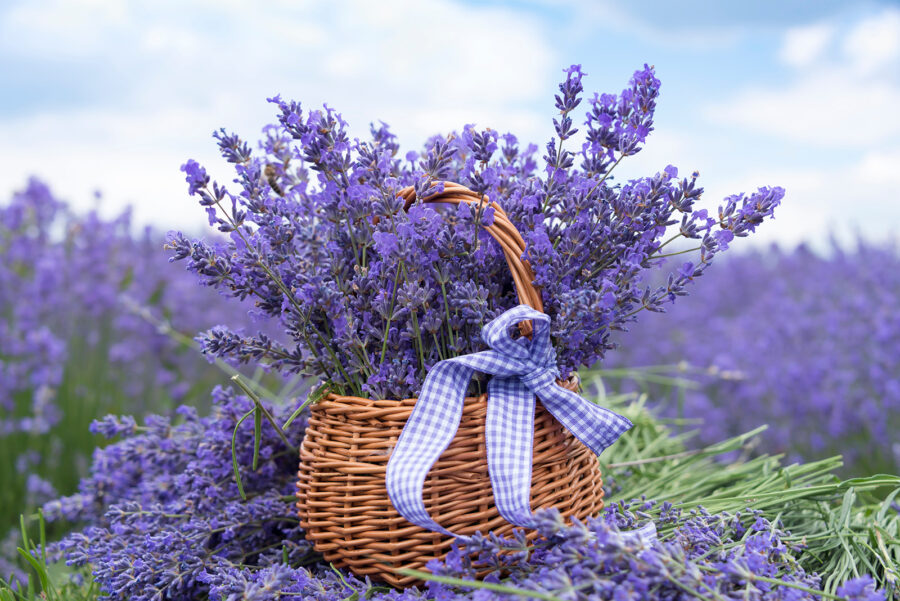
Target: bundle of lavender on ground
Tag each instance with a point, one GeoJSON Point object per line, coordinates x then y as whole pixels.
{"type": "Point", "coordinates": [166, 521]}
{"type": "Point", "coordinates": [373, 296]}
{"type": "Point", "coordinates": [807, 342]}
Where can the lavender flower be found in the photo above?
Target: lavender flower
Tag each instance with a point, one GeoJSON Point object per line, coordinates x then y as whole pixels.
{"type": "Point", "coordinates": [860, 589]}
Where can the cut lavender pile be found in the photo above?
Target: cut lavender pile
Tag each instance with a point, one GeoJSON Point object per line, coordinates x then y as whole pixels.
{"type": "Point", "coordinates": [164, 508]}
{"type": "Point", "coordinates": [722, 556]}
{"type": "Point", "coordinates": [166, 521]}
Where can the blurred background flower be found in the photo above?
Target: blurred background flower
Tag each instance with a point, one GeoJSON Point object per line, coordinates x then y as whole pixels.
{"type": "Point", "coordinates": [806, 344]}
{"type": "Point", "coordinates": [93, 320]}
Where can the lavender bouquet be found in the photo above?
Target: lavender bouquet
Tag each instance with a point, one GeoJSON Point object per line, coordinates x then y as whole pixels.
{"type": "Point", "coordinates": [373, 295]}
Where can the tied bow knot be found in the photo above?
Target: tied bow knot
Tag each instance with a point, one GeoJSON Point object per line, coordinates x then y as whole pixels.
{"type": "Point", "coordinates": [540, 377]}
{"type": "Point", "coordinates": [521, 369]}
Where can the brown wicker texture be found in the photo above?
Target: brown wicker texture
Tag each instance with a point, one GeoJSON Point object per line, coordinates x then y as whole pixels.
{"type": "Point", "coordinates": [341, 496]}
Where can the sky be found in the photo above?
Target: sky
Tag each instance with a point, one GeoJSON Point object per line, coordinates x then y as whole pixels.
{"type": "Point", "coordinates": [113, 96]}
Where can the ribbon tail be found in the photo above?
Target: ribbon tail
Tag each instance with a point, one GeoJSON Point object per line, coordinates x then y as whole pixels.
{"type": "Point", "coordinates": [427, 433]}
{"type": "Point", "coordinates": [509, 434]}
{"type": "Point", "coordinates": [592, 424]}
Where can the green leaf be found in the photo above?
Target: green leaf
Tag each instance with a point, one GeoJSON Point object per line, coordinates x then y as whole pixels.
{"type": "Point", "coordinates": [234, 461]}
{"type": "Point", "coordinates": [38, 567]}
{"type": "Point", "coordinates": [257, 434]}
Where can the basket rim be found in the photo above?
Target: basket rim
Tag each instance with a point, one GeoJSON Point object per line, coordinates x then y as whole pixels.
{"type": "Point", "coordinates": [573, 384]}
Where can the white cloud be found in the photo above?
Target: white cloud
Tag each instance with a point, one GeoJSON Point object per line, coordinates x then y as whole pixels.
{"type": "Point", "coordinates": [874, 43]}
{"type": "Point", "coordinates": [881, 168]}
{"type": "Point", "coordinates": [834, 107]}
{"type": "Point", "coordinates": [635, 19]}
{"type": "Point", "coordinates": [184, 69]}
{"type": "Point", "coordinates": [804, 45]}
{"type": "Point", "coordinates": [73, 28]}
{"type": "Point", "coordinates": [847, 101]}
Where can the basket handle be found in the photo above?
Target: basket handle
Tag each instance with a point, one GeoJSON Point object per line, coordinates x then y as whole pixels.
{"type": "Point", "coordinates": [502, 230]}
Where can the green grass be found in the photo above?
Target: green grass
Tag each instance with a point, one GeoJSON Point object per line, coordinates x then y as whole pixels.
{"type": "Point", "coordinates": [667, 386]}
{"type": "Point", "coordinates": [48, 582]}
{"type": "Point", "coordinates": [849, 525]}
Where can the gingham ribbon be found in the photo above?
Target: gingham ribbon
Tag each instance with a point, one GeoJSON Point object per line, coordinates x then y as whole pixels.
{"type": "Point", "coordinates": [521, 370]}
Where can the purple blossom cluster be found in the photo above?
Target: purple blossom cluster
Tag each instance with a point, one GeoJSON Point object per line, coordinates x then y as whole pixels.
{"type": "Point", "coordinates": [165, 516]}
{"type": "Point", "coordinates": [373, 295]}
{"type": "Point", "coordinates": [165, 520]}
{"type": "Point", "coordinates": [75, 341]}
{"type": "Point", "coordinates": [807, 343]}
{"type": "Point", "coordinates": [698, 555]}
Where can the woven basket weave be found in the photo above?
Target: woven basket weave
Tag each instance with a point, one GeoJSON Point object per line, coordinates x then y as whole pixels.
{"type": "Point", "coordinates": [342, 500]}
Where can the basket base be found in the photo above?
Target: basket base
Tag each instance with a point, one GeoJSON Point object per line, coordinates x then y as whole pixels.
{"type": "Point", "coordinates": [343, 503]}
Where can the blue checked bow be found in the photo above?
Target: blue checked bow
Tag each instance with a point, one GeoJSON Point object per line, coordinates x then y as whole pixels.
{"type": "Point", "coordinates": [521, 371]}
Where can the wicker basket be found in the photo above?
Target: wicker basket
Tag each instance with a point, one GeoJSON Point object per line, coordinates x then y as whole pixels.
{"type": "Point", "coordinates": [341, 495]}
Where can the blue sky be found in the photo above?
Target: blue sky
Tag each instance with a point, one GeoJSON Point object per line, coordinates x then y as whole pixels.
{"type": "Point", "coordinates": [114, 95]}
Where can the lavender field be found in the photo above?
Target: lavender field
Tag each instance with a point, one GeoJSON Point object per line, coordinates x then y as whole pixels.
{"type": "Point", "coordinates": [804, 341]}
{"type": "Point", "coordinates": [734, 371]}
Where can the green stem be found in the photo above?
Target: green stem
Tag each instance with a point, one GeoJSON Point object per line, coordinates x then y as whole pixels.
{"type": "Point", "coordinates": [447, 313]}
{"type": "Point", "coordinates": [419, 344]}
{"type": "Point", "coordinates": [795, 585]}
{"type": "Point", "coordinates": [438, 346]}
{"type": "Point", "coordinates": [271, 419]}
{"type": "Point", "coordinates": [166, 328]}
{"type": "Point", "coordinates": [491, 586]}
{"type": "Point", "coordinates": [314, 397]}
{"type": "Point", "coordinates": [387, 324]}
{"type": "Point", "coordinates": [680, 252]}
